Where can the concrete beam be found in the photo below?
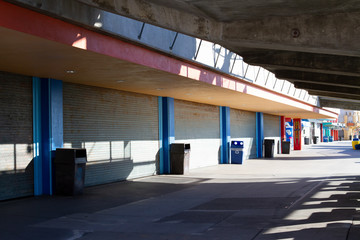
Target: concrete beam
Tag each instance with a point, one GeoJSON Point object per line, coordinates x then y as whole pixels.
{"type": "Point", "coordinates": [191, 21]}
{"type": "Point", "coordinates": [70, 11]}
{"type": "Point", "coordinates": [327, 88]}
{"type": "Point", "coordinates": [318, 78]}
{"type": "Point", "coordinates": [317, 33]}
{"type": "Point", "coordinates": [338, 103]}
{"type": "Point", "coordinates": [304, 31]}
{"type": "Point", "coordinates": [309, 62]}
{"type": "Point", "coordinates": [332, 94]}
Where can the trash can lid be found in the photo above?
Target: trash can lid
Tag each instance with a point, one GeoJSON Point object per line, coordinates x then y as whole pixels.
{"type": "Point", "coordinates": [237, 143]}
{"type": "Point", "coordinates": [179, 147]}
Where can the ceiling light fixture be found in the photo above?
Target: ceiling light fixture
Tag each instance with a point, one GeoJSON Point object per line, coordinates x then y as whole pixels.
{"type": "Point", "coordinates": [70, 71]}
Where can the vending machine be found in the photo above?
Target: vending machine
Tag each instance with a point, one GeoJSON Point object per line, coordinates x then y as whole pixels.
{"type": "Point", "coordinates": [289, 131]}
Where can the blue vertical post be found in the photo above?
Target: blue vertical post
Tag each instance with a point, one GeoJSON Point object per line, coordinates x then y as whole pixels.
{"type": "Point", "coordinates": [166, 132]}
{"type": "Point", "coordinates": [225, 134]}
{"type": "Point", "coordinates": [47, 130]}
{"type": "Point", "coordinates": [45, 144]}
{"type": "Point", "coordinates": [259, 134]}
{"type": "Point", "coordinates": [37, 136]}
{"type": "Point", "coordinates": [161, 136]}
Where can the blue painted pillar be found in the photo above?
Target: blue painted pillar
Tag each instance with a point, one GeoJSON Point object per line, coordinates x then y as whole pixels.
{"type": "Point", "coordinates": [225, 134]}
{"type": "Point", "coordinates": [259, 134]}
{"type": "Point", "coordinates": [166, 132]}
{"type": "Point", "coordinates": [47, 130]}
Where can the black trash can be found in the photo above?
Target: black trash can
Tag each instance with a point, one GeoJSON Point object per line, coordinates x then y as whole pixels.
{"type": "Point", "coordinates": [237, 153]}
{"type": "Point", "coordinates": [306, 141]}
{"type": "Point", "coordinates": [315, 139]}
{"type": "Point", "coordinates": [69, 166]}
{"type": "Point", "coordinates": [269, 148]}
{"type": "Point", "coordinates": [285, 147]}
{"type": "Point", "coordinates": [350, 137]}
{"type": "Point", "coordinates": [179, 158]}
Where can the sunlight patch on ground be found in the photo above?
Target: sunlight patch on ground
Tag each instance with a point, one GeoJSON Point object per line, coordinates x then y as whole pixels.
{"type": "Point", "coordinates": [318, 202]}
{"type": "Point", "coordinates": [299, 227]}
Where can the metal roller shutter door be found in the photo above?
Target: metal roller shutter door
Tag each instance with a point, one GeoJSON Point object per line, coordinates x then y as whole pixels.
{"type": "Point", "coordinates": [243, 128]}
{"type": "Point", "coordinates": [118, 129]}
{"type": "Point", "coordinates": [16, 136]}
{"type": "Point", "coordinates": [272, 130]}
{"type": "Point", "coordinates": [198, 124]}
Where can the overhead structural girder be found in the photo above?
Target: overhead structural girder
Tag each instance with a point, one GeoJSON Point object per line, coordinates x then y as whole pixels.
{"type": "Point", "coordinates": [259, 24]}
{"type": "Point", "coordinates": [309, 62]}
{"type": "Point", "coordinates": [334, 95]}
{"type": "Point", "coordinates": [328, 88]}
{"type": "Point", "coordinates": [318, 78]}
{"type": "Point", "coordinates": [339, 103]}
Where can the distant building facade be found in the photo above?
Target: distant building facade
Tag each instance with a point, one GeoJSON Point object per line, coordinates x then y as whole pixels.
{"type": "Point", "coordinates": [351, 120]}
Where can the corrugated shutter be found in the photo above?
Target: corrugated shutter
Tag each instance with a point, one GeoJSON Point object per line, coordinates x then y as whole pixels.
{"type": "Point", "coordinates": [243, 128]}
{"type": "Point", "coordinates": [118, 129]}
{"type": "Point", "coordinates": [272, 130]}
{"type": "Point", "coordinates": [16, 148]}
{"type": "Point", "coordinates": [198, 124]}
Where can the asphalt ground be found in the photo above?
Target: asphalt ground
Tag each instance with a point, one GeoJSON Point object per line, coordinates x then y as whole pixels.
{"type": "Point", "coordinates": [308, 194]}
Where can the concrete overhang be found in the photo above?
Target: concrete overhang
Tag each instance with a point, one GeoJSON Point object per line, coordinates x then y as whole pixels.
{"type": "Point", "coordinates": [305, 40]}
{"type": "Point", "coordinates": [37, 45]}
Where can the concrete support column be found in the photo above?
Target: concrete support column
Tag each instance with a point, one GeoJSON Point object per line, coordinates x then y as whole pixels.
{"type": "Point", "coordinates": [259, 134]}
{"type": "Point", "coordinates": [225, 134]}
{"type": "Point", "coordinates": [47, 130]}
{"type": "Point", "coordinates": [166, 132]}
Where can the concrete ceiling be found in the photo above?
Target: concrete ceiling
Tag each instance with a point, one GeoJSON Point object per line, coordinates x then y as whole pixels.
{"type": "Point", "coordinates": [235, 10]}
{"type": "Point", "coordinates": [314, 44]}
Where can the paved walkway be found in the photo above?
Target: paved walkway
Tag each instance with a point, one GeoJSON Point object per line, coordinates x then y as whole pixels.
{"type": "Point", "coordinates": [312, 194]}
